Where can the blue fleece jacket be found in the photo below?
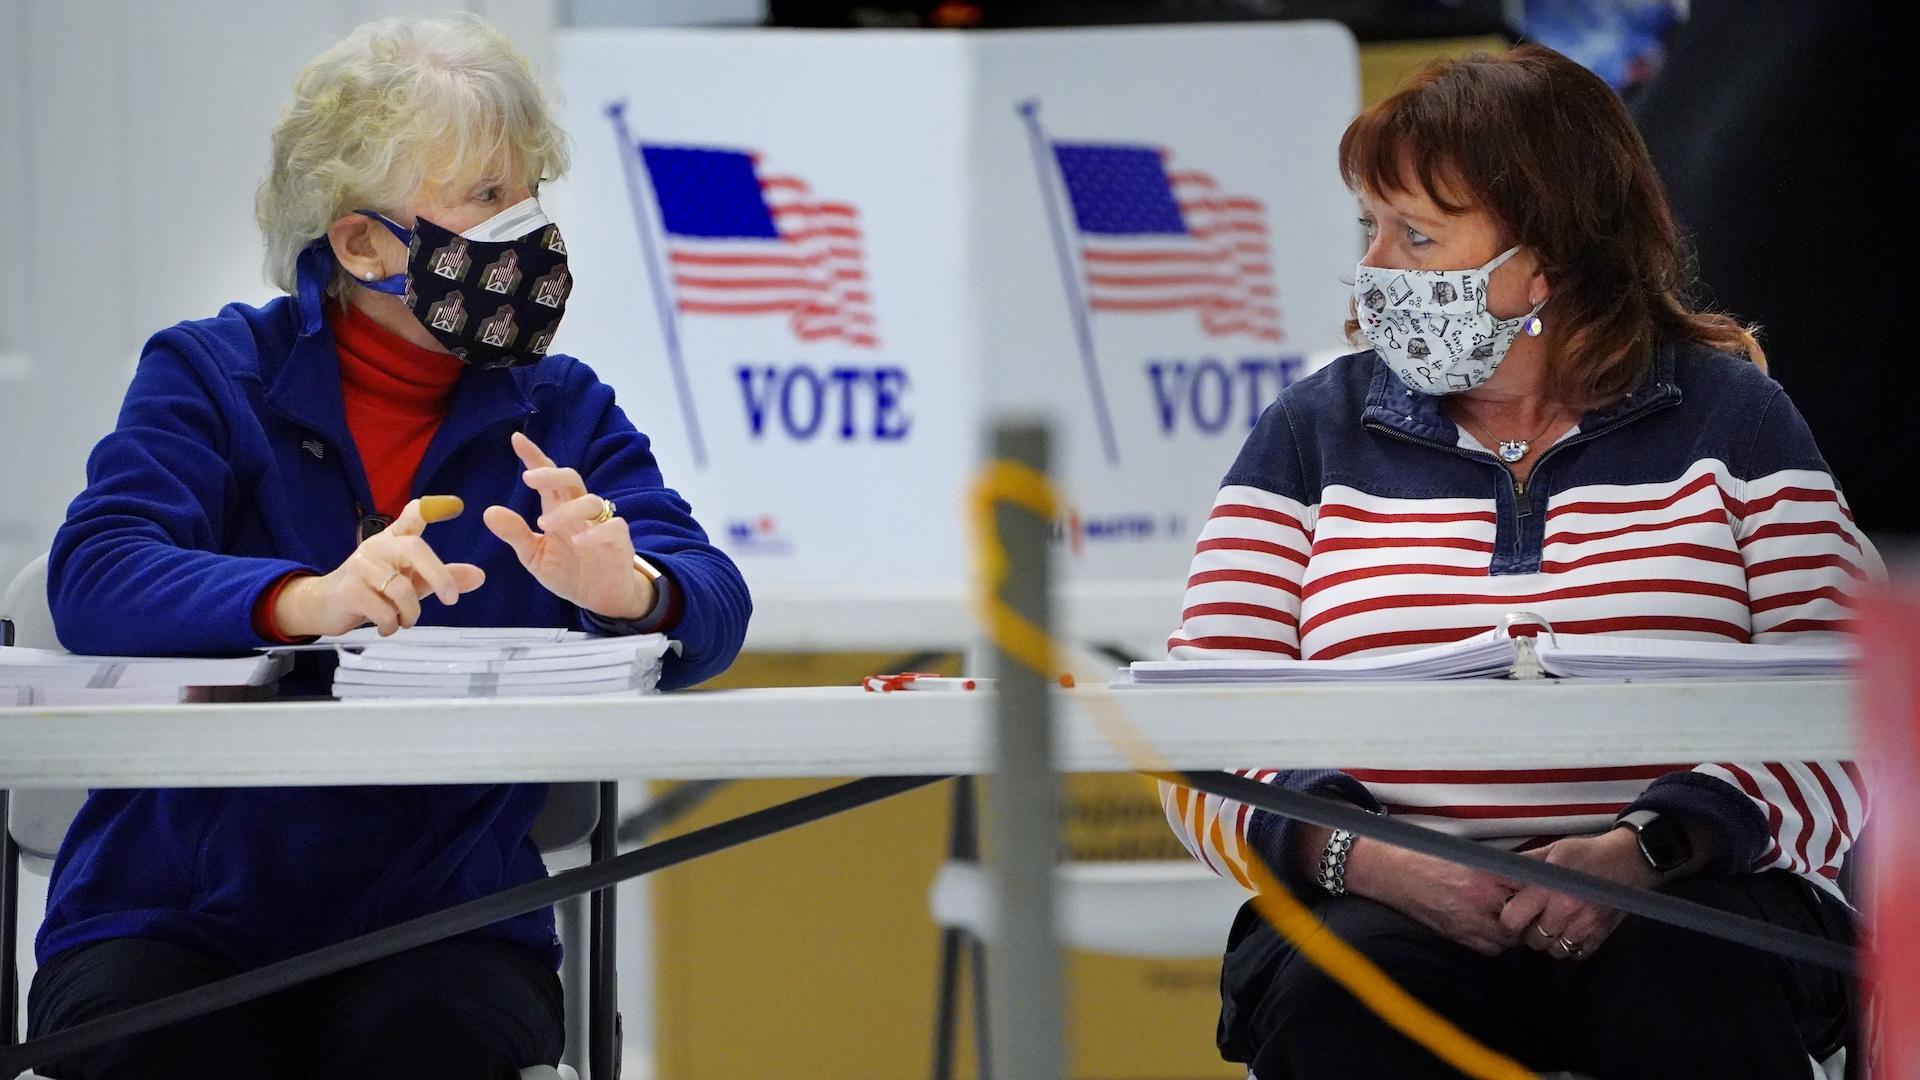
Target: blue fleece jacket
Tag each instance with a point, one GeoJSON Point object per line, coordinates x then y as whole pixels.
{"type": "Point", "coordinates": [231, 466]}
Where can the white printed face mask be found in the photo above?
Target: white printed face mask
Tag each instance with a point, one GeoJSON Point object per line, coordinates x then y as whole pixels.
{"type": "Point", "coordinates": [1432, 327]}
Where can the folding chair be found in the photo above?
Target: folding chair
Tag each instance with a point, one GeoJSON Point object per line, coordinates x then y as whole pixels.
{"type": "Point", "coordinates": [1149, 908]}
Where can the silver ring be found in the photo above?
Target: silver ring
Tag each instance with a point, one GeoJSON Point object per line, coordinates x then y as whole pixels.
{"type": "Point", "coordinates": [1544, 933]}
{"type": "Point", "coordinates": [1574, 949]}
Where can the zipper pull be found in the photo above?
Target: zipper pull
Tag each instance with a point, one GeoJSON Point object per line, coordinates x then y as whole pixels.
{"type": "Point", "coordinates": [369, 526]}
{"type": "Point", "coordinates": [1521, 507]}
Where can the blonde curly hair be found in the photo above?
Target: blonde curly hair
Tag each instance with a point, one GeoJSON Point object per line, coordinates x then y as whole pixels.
{"type": "Point", "coordinates": [398, 105]}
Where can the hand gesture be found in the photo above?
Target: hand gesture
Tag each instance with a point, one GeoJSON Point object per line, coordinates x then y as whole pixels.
{"type": "Point", "coordinates": [584, 552]}
{"type": "Point", "coordinates": [382, 582]}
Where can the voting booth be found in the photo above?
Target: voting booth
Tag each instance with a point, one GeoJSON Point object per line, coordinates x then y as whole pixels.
{"type": "Point", "coordinates": [820, 263]}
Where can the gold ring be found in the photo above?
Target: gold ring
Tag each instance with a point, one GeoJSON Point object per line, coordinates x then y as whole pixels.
{"type": "Point", "coordinates": [389, 581]}
{"type": "Point", "coordinates": [606, 511]}
{"type": "Point", "coordinates": [1544, 933]}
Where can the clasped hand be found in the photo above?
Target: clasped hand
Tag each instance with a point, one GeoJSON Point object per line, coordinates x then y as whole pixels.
{"type": "Point", "coordinates": [1489, 914]}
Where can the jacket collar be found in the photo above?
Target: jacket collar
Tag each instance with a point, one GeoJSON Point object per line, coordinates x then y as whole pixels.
{"type": "Point", "coordinates": [1391, 404]}
{"type": "Point", "coordinates": [306, 390]}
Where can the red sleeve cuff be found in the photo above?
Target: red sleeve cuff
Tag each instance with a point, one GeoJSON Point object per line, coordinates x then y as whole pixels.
{"type": "Point", "coordinates": [263, 625]}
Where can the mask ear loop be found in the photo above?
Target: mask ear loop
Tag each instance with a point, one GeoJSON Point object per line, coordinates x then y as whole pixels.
{"type": "Point", "coordinates": [1494, 264]}
{"type": "Point", "coordinates": [1530, 323]}
{"type": "Point", "coordinates": [404, 234]}
{"type": "Point", "coordinates": [392, 284]}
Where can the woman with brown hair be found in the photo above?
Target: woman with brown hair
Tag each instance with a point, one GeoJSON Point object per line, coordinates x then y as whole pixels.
{"type": "Point", "coordinates": [1542, 423]}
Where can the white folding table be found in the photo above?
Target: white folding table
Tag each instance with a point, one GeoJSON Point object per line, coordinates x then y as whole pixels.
{"type": "Point", "coordinates": [850, 732]}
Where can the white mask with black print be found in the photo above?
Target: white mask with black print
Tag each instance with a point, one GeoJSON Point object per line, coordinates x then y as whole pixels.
{"type": "Point", "coordinates": [1432, 327]}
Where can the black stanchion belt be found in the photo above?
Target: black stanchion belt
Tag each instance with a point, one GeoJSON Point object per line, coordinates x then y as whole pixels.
{"type": "Point", "coordinates": [454, 920]}
{"type": "Point", "coordinates": [1339, 814]}
{"type": "Point", "coordinates": [674, 804]}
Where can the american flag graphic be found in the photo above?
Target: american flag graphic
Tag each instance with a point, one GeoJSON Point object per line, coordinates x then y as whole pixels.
{"type": "Point", "coordinates": [1158, 239]}
{"type": "Point", "coordinates": [742, 244]}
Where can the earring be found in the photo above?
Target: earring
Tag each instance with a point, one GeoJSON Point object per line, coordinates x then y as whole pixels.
{"type": "Point", "coordinates": [1532, 326]}
{"type": "Point", "coordinates": [369, 275]}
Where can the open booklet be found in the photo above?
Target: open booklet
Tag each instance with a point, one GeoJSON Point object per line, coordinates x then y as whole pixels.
{"type": "Point", "coordinates": [1495, 655]}
{"type": "Point", "coordinates": [433, 661]}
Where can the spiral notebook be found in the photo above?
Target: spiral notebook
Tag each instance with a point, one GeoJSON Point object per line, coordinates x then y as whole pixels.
{"type": "Point", "coordinates": [1495, 655]}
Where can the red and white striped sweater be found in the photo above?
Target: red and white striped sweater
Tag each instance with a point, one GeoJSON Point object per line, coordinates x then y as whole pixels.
{"type": "Point", "coordinates": [1358, 519]}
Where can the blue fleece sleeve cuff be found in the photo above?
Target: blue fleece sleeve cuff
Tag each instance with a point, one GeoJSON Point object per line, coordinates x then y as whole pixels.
{"type": "Point", "coordinates": [1696, 797]}
{"type": "Point", "coordinates": [1271, 835]}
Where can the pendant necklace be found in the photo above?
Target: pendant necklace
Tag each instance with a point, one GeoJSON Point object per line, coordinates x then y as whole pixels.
{"type": "Point", "coordinates": [1512, 450]}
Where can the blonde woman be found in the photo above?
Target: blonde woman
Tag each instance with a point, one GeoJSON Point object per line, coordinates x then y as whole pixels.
{"type": "Point", "coordinates": [262, 486]}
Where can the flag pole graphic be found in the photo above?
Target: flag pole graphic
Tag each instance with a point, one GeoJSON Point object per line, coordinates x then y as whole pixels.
{"type": "Point", "coordinates": [1069, 276]}
{"type": "Point", "coordinates": [662, 300]}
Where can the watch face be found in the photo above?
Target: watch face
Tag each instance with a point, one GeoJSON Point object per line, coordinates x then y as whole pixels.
{"type": "Point", "coordinates": [1664, 843]}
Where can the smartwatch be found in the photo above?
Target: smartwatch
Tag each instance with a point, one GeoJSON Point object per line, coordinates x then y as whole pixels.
{"type": "Point", "coordinates": [1663, 842]}
{"type": "Point", "coordinates": [647, 570]}
{"type": "Point", "coordinates": [652, 574]}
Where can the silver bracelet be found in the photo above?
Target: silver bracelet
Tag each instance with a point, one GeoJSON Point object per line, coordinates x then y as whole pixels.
{"type": "Point", "coordinates": [1333, 862]}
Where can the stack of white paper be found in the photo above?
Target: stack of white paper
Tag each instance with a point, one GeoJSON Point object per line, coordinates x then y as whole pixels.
{"type": "Point", "coordinates": [59, 696]}
{"type": "Point", "coordinates": [50, 677]}
{"type": "Point", "coordinates": [498, 663]}
{"type": "Point", "coordinates": [1608, 657]}
{"type": "Point", "coordinates": [1481, 657]}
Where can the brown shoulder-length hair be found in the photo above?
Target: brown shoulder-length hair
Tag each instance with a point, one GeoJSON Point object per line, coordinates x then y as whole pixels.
{"type": "Point", "coordinates": [1547, 148]}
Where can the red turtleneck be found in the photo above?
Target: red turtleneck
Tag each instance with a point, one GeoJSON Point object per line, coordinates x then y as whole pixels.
{"type": "Point", "coordinates": [395, 393]}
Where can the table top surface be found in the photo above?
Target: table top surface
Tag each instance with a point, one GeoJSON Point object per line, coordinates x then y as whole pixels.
{"type": "Point", "coordinates": [845, 731]}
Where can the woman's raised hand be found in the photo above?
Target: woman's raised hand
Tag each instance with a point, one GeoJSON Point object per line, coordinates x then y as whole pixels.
{"type": "Point", "coordinates": [584, 551]}
{"type": "Point", "coordinates": [382, 582]}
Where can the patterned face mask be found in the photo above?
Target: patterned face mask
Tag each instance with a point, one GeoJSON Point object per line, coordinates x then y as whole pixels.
{"type": "Point", "coordinates": [1432, 327]}
{"type": "Point", "coordinates": [493, 295]}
